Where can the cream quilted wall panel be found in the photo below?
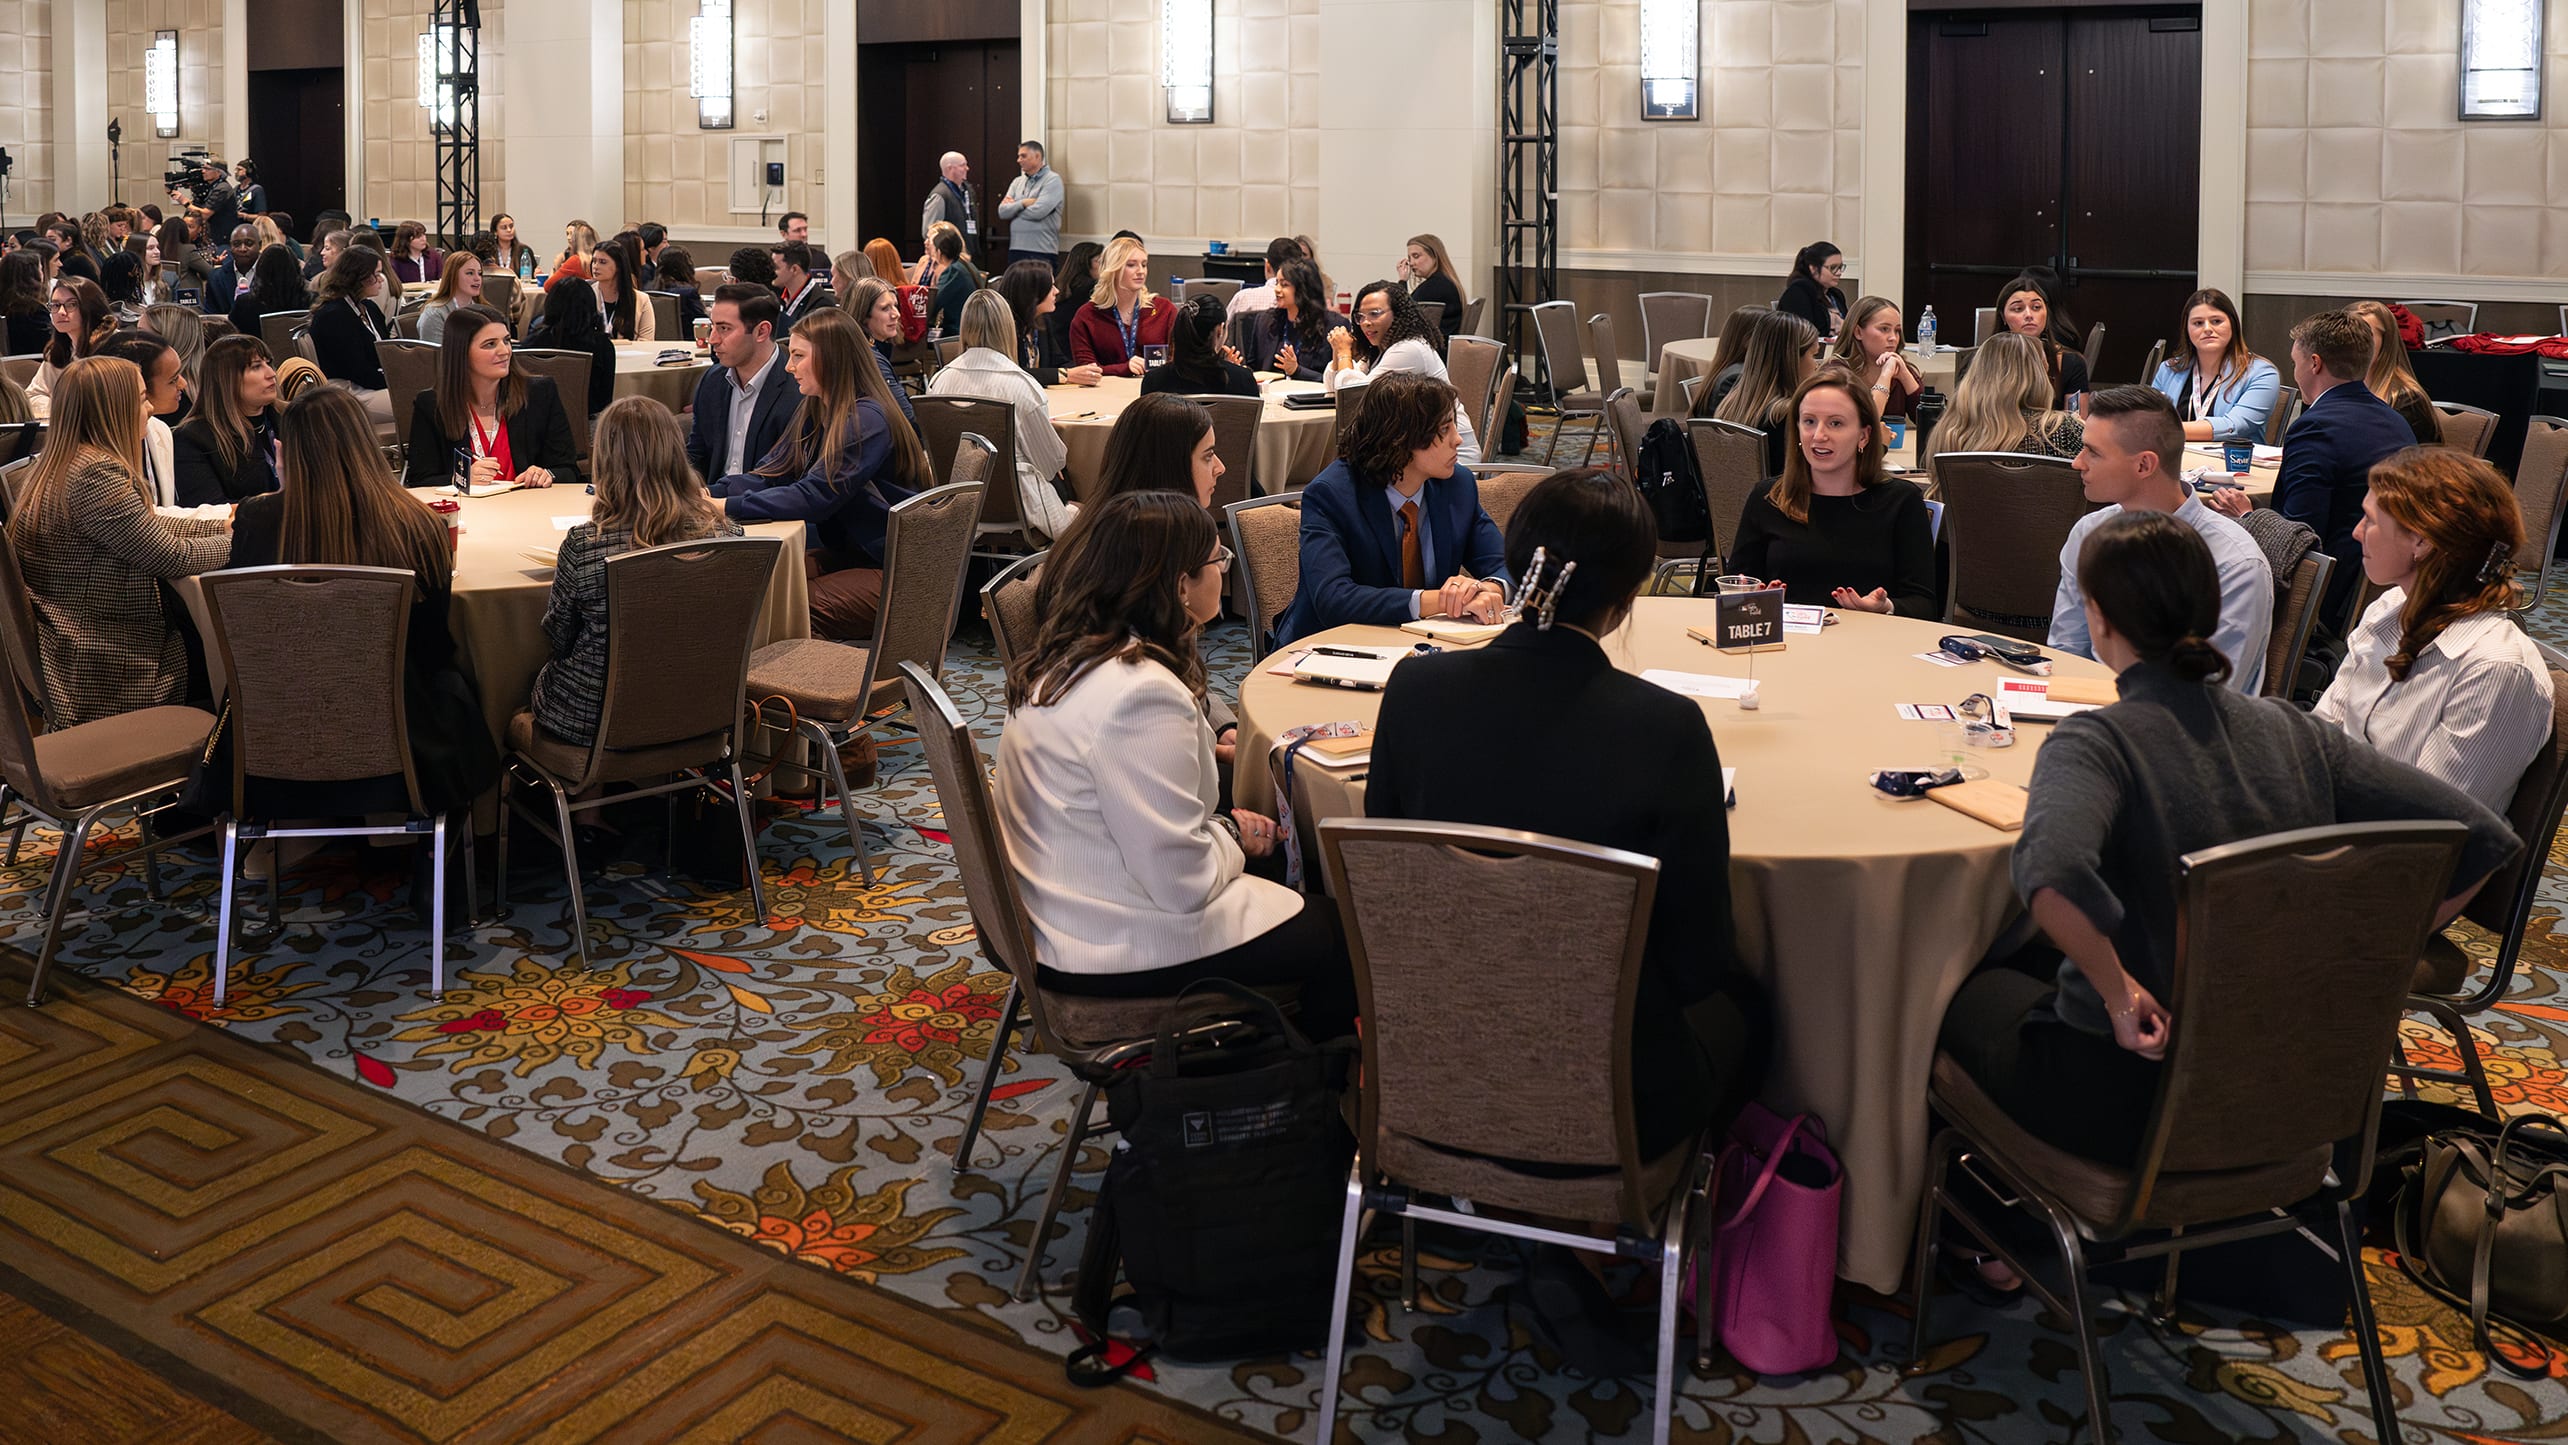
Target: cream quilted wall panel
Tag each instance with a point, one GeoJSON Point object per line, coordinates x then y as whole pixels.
{"type": "Point", "coordinates": [401, 156]}
{"type": "Point", "coordinates": [26, 106]}
{"type": "Point", "coordinates": [131, 25]}
{"type": "Point", "coordinates": [673, 171]}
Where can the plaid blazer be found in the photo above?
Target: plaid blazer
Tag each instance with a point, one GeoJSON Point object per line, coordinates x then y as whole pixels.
{"type": "Point", "coordinates": [94, 554]}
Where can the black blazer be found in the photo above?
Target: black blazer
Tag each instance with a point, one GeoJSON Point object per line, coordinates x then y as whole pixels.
{"type": "Point", "coordinates": [1234, 380]}
{"type": "Point", "coordinates": [1803, 298]}
{"type": "Point", "coordinates": [204, 481]}
{"type": "Point", "coordinates": [1643, 775]}
{"type": "Point", "coordinates": [29, 332]}
{"type": "Point", "coordinates": [771, 413]}
{"type": "Point", "coordinates": [816, 298]}
{"type": "Point", "coordinates": [345, 347]}
{"type": "Point", "coordinates": [539, 435]}
{"type": "Point", "coordinates": [1440, 287]}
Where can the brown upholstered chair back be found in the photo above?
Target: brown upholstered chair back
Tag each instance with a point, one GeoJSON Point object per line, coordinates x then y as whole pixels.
{"type": "Point", "coordinates": [1608, 356]}
{"type": "Point", "coordinates": [926, 548]}
{"type": "Point", "coordinates": [314, 658]}
{"type": "Point", "coordinates": [2094, 352]}
{"type": "Point", "coordinates": [2157, 357]}
{"type": "Point", "coordinates": [1266, 540]}
{"type": "Point", "coordinates": [2007, 516]}
{"type": "Point", "coordinates": [2265, 925]}
{"type": "Point", "coordinates": [2541, 484]}
{"type": "Point", "coordinates": [2540, 794]}
{"type": "Point", "coordinates": [2466, 428]}
{"type": "Point", "coordinates": [1731, 459]}
{"type": "Point", "coordinates": [680, 623]}
{"type": "Point", "coordinates": [2287, 409]}
{"type": "Point", "coordinates": [2295, 617]}
{"type": "Point", "coordinates": [409, 368]}
{"type": "Point", "coordinates": [1623, 417]}
{"type": "Point", "coordinates": [1432, 312]}
{"type": "Point", "coordinates": [1672, 316]}
{"type": "Point", "coordinates": [1007, 603]}
{"type": "Point", "coordinates": [1471, 364]}
{"type": "Point", "coordinates": [1471, 313]}
{"type": "Point", "coordinates": [971, 820]}
{"type": "Point", "coordinates": [276, 328]}
{"type": "Point", "coordinates": [1194, 286]}
{"type": "Point", "coordinates": [570, 373]}
{"type": "Point", "coordinates": [1556, 333]}
{"type": "Point", "coordinates": [13, 480]}
{"type": "Point", "coordinates": [943, 422]}
{"type": "Point", "coordinates": [1502, 491]}
{"type": "Point", "coordinates": [1473, 945]}
{"type": "Point", "coordinates": [664, 318]}
{"type": "Point", "coordinates": [1235, 420]}
{"type": "Point", "coordinates": [499, 291]}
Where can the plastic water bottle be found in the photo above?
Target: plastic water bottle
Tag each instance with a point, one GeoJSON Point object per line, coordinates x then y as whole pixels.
{"type": "Point", "coordinates": [1926, 333]}
{"type": "Point", "coordinates": [525, 264]}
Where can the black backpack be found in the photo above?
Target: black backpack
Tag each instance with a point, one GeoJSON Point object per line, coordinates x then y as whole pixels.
{"type": "Point", "coordinates": [1670, 483]}
{"type": "Point", "coordinates": [1223, 1198]}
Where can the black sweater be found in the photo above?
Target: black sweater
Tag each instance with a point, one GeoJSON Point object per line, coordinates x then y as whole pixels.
{"type": "Point", "coordinates": [28, 332]}
{"type": "Point", "coordinates": [345, 345]}
{"type": "Point", "coordinates": [1232, 379]}
{"type": "Point", "coordinates": [204, 481]}
{"type": "Point", "coordinates": [539, 435]}
{"type": "Point", "coordinates": [1803, 297]}
{"type": "Point", "coordinates": [1440, 287]}
{"type": "Point", "coordinates": [1879, 537]}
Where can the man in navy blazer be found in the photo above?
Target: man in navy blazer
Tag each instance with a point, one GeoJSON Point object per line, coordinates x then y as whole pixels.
{"type": "Point", "coordinates": [2328, 453]}
{"type": "Point", "coordinates": [224, 286]}
{"type": "Point", "coordinates": [743, 406]}
{"type": "Point", "coordinates": [1396, 462]}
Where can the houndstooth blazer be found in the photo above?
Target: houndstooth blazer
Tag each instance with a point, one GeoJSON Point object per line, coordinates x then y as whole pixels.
{"type": "Point", "coordinates": [94, 555]}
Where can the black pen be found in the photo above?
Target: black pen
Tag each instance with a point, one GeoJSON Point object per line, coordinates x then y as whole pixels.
{"type": "Point", "coordinates": [1345, 652]}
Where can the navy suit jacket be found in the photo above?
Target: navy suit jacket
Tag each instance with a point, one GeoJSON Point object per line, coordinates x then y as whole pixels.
{"type": "Point", "coordinates": [2327, 469]}
{"type": "Point", "coordinates": [1351, 550]}
{"type": "Point", "coordinates": [771, 412]}
{"type": "Point", "coordinates": [221, 289]}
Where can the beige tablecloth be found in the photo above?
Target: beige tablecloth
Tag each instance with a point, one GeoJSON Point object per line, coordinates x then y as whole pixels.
{"type": "Point", "coordinates": [637, 374]}
{"type": "Point", "coordinates": [1678, 361]}
{"type": "Point", "coordinates": [1862, 915]}
{"type": "Point", "coordinates": [1292, 446]}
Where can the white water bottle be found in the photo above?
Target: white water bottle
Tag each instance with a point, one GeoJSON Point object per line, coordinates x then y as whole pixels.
{"type": "Point", "coordinates": [1926, 332]}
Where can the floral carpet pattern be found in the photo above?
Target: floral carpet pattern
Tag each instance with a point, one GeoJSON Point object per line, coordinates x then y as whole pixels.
{"type": "Point", "coordinates": [800, 1081]}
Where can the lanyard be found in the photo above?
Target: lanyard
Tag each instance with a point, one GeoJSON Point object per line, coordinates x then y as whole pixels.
{"type": "Point", "coordinates": [364, 319]}
{"type": "Point", "coordinates": [1131, 330]}
{"type": "Point", "coordinates": [1288, 747]}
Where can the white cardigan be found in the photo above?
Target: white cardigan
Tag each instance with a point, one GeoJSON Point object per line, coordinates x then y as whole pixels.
{"type": "Point", "coordinates": [1412, 355]}
{"type": "Point", "coordinates": [1040, 451]}
{"type": "Point", "coordinates": [1106, 800]}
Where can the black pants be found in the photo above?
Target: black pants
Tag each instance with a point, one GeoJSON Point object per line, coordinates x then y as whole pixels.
{"type": "Point", "coordinates": [1308, 949]}
{"type": "Point", "coordinates": [1046, 257]}
{"type": "Point", "coordinates": [2069, 1088]}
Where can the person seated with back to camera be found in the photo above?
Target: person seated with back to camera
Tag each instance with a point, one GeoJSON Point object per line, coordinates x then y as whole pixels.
{"type": "Point", "coordinates": [988, 369]}
{"type": "Point", "coordinates": [1392, 515]}
{"type": "Point", "coordinates": [1834, 529]}
{"type": "Point", "coordinates": [1646, 778]}
{"type": "Point", "coordinates": [1200, 362]}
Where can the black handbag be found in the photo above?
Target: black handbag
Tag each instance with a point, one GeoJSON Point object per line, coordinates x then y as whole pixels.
{"type": "Point", "coordinates": [2482, 1222]}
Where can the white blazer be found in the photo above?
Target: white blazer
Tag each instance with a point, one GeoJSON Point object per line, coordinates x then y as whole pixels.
{"type": "Point", "coordinates": [1040, 451]}
{"type": "Point", "coordinates": [1106, 800]}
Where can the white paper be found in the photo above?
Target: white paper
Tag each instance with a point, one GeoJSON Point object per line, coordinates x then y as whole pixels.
{"type": "Point", "coordinates": [1334, 761]}
{"type": "Point", "coordinates": [2031, 697]}
{"type": "Point", "coordinates": [1799, 618]}
{"type": "Point", "coordinates": [1730, 786]}
{"type": "Point", "coordinates": [564, 524]}
{"type": "Point", "coordinates": [1940, 658]}
{"type": "Point", "coordinates": [1699, 684]}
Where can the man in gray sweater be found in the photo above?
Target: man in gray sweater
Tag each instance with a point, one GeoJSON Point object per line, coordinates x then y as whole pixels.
{"type": "Point", "coordinates": [1032, 208]}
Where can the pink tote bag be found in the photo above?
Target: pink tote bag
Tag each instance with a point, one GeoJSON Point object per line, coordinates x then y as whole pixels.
{"type": "Point", "coordinates": [1773, 1255]}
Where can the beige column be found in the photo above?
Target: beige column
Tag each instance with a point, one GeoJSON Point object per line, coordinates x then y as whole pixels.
{"type": "Point", "coordinates": [80, 108]}
{"type": "Point", "coordinates": [1400, 154]}
{"type": "Point", "coordinates": [233, 80]}
{"type": "Point", "coordinates": [834, 217]}
{"type": "Point", "coordinates": [563, 130]}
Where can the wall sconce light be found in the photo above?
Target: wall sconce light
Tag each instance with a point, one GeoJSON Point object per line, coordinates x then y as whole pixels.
{"type": "Point", "coordinates": [709, 64]}
{"type": "Point", "coordinates": [1186, 60]}
{"type": "Point", "coordinates": [160, 82]}
{"type": "Point", "coordinates": [2501, 59]}
{"type": "Point", "coordinates": [444, 54]}
{"type": "Point", "coordinates": [1670, 49]}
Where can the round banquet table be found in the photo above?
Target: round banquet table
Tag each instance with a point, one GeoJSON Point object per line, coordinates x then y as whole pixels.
{"type": "Point", "coordinates": [638, 374]}
{"type": "Point", "coordinates": [1862, 915]}
{"type": "Point", "coordinates": [1292, 446]}
{"type": "Point", "coordinates": [1679, 361]}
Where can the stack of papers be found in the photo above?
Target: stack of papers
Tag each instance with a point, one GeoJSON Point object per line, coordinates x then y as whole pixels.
{"type": "Point", "coordinates": [1699, 684]}
{"type": "Point", "coordinates": [1458, 629]}
{"type": "Point", "coordinates": [1367, 668]}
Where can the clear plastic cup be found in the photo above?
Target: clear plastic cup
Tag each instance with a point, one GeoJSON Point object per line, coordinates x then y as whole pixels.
{"type": "Point", "coordinates": [1738, 582]}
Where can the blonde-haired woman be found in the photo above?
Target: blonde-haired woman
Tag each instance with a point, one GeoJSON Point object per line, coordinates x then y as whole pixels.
{"type": "Point", "coordinates": [2391, 378]}
{"type": "Point", "coordinates": [2005, 404]}
{"type": "Point", "coordinates": [1781, 352]}
{"type": "Point", "coordinates": [1121, 317]}
{"type": "Point", "coordinates": [183, 327]}
{"type": "Point", "coordinates": [647, 496]}
{"type": "Point", "coordinates": [94, 553]}
{"type": "Point", "coordinates": [988, 368]}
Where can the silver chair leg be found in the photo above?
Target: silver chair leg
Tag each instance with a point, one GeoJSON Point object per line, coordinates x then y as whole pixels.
{"type": "Point", "coordinates": [1028, 1277]}
{"type": "Point", "coordinates": [1340, 1302]}
{"type": "Point", "coordinates": [2367, 1333]}
{"type": "Point", "coordinates": [571, 868]}
{"type": "Point", "coordinates": [437, 912]}
{"type": "Point", "coordinates": [846, 803]}
{"type": "Point", "coordinates": [2463, 1044]}
{"type": "Point", "coordinates": [66, 876]}
{"type": "Point", "coordinates": [17, 834]}
{"type": "Point", "coordinates": [2080, 1307]}
{"type": "Point", "coordinates": [989, 1081]}
{"type": "Point", "coordinates": [151, 857]}
{"type": "Point", "coordinates": [2162, 1310]}
{"type": "Point", "coordinates": [749, 842]}
{"type": "Point", "coordinates": [223, 912]}
{"type": "Point", "coordinates": [1409, 1262]}
{"type": "Point", "coordinates": [499, 884]}
{"type": "Point", "coordinates": [1671, 1264]}
{"type": "Point", "coordinates": [1930, 1214]}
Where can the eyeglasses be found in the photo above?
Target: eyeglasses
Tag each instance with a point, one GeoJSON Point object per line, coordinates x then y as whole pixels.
{"type": "Point", "coordinates": [1221, 557]}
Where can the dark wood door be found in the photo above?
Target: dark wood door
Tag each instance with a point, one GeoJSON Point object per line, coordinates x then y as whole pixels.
{"type": "Point", "coordinates": [920, 100]}
{"type": "Point", "coordinates": [296, 118]}
{"type": "Point", "coordinates": [2064, 138]}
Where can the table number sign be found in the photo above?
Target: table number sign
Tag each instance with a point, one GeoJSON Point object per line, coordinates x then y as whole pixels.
{"type": "Point", "coordinates": [1748, 621]}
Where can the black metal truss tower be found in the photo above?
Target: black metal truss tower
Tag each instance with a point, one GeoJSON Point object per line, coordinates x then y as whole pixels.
{"type": "Point", "coordinates": [1528, 165]}
{"type": "Point", "coordinates": [455, 26]}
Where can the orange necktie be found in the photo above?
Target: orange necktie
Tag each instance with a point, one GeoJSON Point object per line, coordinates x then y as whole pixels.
{"type": "Point", "coordinates": [1413, 561]}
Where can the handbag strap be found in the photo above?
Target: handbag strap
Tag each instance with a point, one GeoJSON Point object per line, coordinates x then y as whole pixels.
{"type": "Point", "coordinates": [1765, 1176]}
{"type": "Point", "coordinates": [2498, 1199]}
{"type": "Point", "coordinates": [1212, 998]}
{"type": "Point", "coordinates": [2484, 1323]}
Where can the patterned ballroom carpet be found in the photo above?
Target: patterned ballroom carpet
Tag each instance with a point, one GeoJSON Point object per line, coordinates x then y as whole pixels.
{"type": "Point", "coordinates": [630, 1185]}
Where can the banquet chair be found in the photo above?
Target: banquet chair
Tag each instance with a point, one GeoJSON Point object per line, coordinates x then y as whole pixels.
{"type": "Point", "coordinates": [133, 763]}
{"type": "Point", "coordinates": [1438, 911]}
{"type": "Point", "coordinates": [2157, 357]}
{"type": "Point", "coordinates": [2295, 618]}
{"type": "Point", "coordinates": [1671, 316]}
{"type": "Point", "coordinates": [1690, 388]}
{"type": "Point", "coordinates": [1235, 422]}
{"type": "Point", "coordinates": [2541, 485]}
{"type": "Point", "coordinates": [2287, 409]}
{"type": "Point", "coordinates": [2466, 428]}
{"type": "Point", "coordinates": [1499, 406]}
{"type": "Point", "coordinates": [2503, 906]}
{"type": "Point", "coordinates": [2441, 319]}
{"type": "Point", "coordinates": [499, 291]}
{"type": "Point", "coordinates": [1472, 311]}
{"type": "Point", "coordinates": [570, 373]}
{"type": "Point", "coordinates": [1608, 355]}
{"type": "Point", "coordinates": [215, 327]}
{"type": "Point", "coordinates": [2007, 516]}
{"type": "Point", "coordinates": [948, 348]}
{"type": "Point", "coordinates": [1432, 312]}
{"type": "Point", "coordinates": [1007, 604]}
{"type": "Point", "coordinates": [276, 328]}
{"type": "Point", "coordinates": [1207, 286]}
{"type": "Point", "coordinates": [943, 423]}
{"type": "Point", "coordinates": [1503, 489]}
{"type": "Point", "coordinates": [1471, 364]}
{"type": "Point", "coordinates": [299, 341]}
{"type": "Point", "coordinates": [22, 368]}
{"type": "Point", "coordinates": [681, 620]}
{"type": "Point", "coordinates": [664, 318]}
{"type": "Point", "coordinates": [837, 688]}
{"type": "Point", "coordinates": [2266, 1109]}
{"type": "Point", "coordinates": [1624, 426]}
{"type": "Point", "coordinates": [13, 480]}
{"type": "Point", "coordinates": [313, 660]}
{"type": "Point", "coordinates": [1730, 457]}
{"type": "Point", "coordinates": [1093, 1036]}
{"type": "Point", "coordinates": [2094, 351]}
{"type": "Point", "coordinates": [708, 277]}
{"type": "Point", "coordinates": [1266, 543]}
{"type": "Point", "coordinates": [1983, 321]}
{"type": "Point", "coordinates": [406, 325]}
{"type": "Point", "coordinates": [1564, 362]}
{"type": "Point", "coordinates": [409, 368]}
{"type": "Point", "coordinates": [1962, 364]}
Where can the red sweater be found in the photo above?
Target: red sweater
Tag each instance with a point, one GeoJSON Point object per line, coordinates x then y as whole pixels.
{"type": "Point", "coordinates": [1095, 337]}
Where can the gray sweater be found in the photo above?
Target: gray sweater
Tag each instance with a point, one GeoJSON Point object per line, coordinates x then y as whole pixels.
{"type": "Point", "coordinates": [1031, 210]}
{"type": "Point", "coordinates": [2121, 792]}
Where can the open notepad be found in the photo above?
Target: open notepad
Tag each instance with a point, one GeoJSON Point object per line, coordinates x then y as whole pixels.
{"type": "Point", "coordinates": [2049, 699]}
{"type": "Point", "coordinates": [1460, 630]}
{"type": "Point", "coordinates": [1367, 668]}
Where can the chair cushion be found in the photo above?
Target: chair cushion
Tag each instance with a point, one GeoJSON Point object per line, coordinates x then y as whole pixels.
{"type": "Point", "coordinates": [2444, 968]}
{"type": "Point", "coordinates": [566, 763]}
{"type": "Point", "coordinates": [824, 680]}
{"type": "Point", "coordinates": [2095, 1192]}
{"type": "Point", "coordinates": [113, 756]}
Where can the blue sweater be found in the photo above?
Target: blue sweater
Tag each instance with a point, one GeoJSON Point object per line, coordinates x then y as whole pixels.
{"type": "Point", "coordinates": [848, 516]}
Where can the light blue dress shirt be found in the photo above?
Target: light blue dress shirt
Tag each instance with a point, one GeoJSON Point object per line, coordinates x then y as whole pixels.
{"type": "Point", "coordinates": [2246, 592]}
{"type": "Point", "coordinates": [2238, 407]}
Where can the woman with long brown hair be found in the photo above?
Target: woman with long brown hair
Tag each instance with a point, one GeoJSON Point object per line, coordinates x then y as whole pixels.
{"type": "Point", "coordinates": [226, 450]}
{"type": "Point", "coordinates": [347, 322]}
{"type": "Point", "coordinates": [93, 553]}
{"type": "Point", "coordinates": [83, 319]}
{"type": "Point", "coordinates": [1107, 790]}
{"type": "Point", "coordinates": [647, 496]}
{"type": "Point", "coordinates": [2024, 308]}
{"type": "Point", "coordinates": [488, 419]}
{"type": "Point", "coordinates": [629, 314]}
{"type": "Point", "coordinates": [458, 286]}
{"type": "Point", "coordinates": [876, 307]}
{"type": "Point", "coordinates": [849, 455]}
{"type": "Point", "coordinates": [2222, 391]}
{"type": "Point", "coordinates": [1780, 352]}
{"type": "Point", "coordinates": [2437, 673]}
{"type": "Point", "coordinates": [414, 254]}
{"type": "Point", "coordinates": [2391, 378]}
{"type": "Point", "coordinates": [1868, 346]}
{"type": "Point", "coordinates": [1834, 529]}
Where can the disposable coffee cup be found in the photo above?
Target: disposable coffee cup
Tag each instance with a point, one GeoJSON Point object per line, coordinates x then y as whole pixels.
{"type": "Point", "coordinates": [2237, 456]}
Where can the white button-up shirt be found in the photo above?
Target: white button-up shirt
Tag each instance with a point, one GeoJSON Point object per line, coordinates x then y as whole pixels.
{"type": "Point", "coordinates": [2474, 709]}
{"type": "Point", "coordinates": [744, 401]}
